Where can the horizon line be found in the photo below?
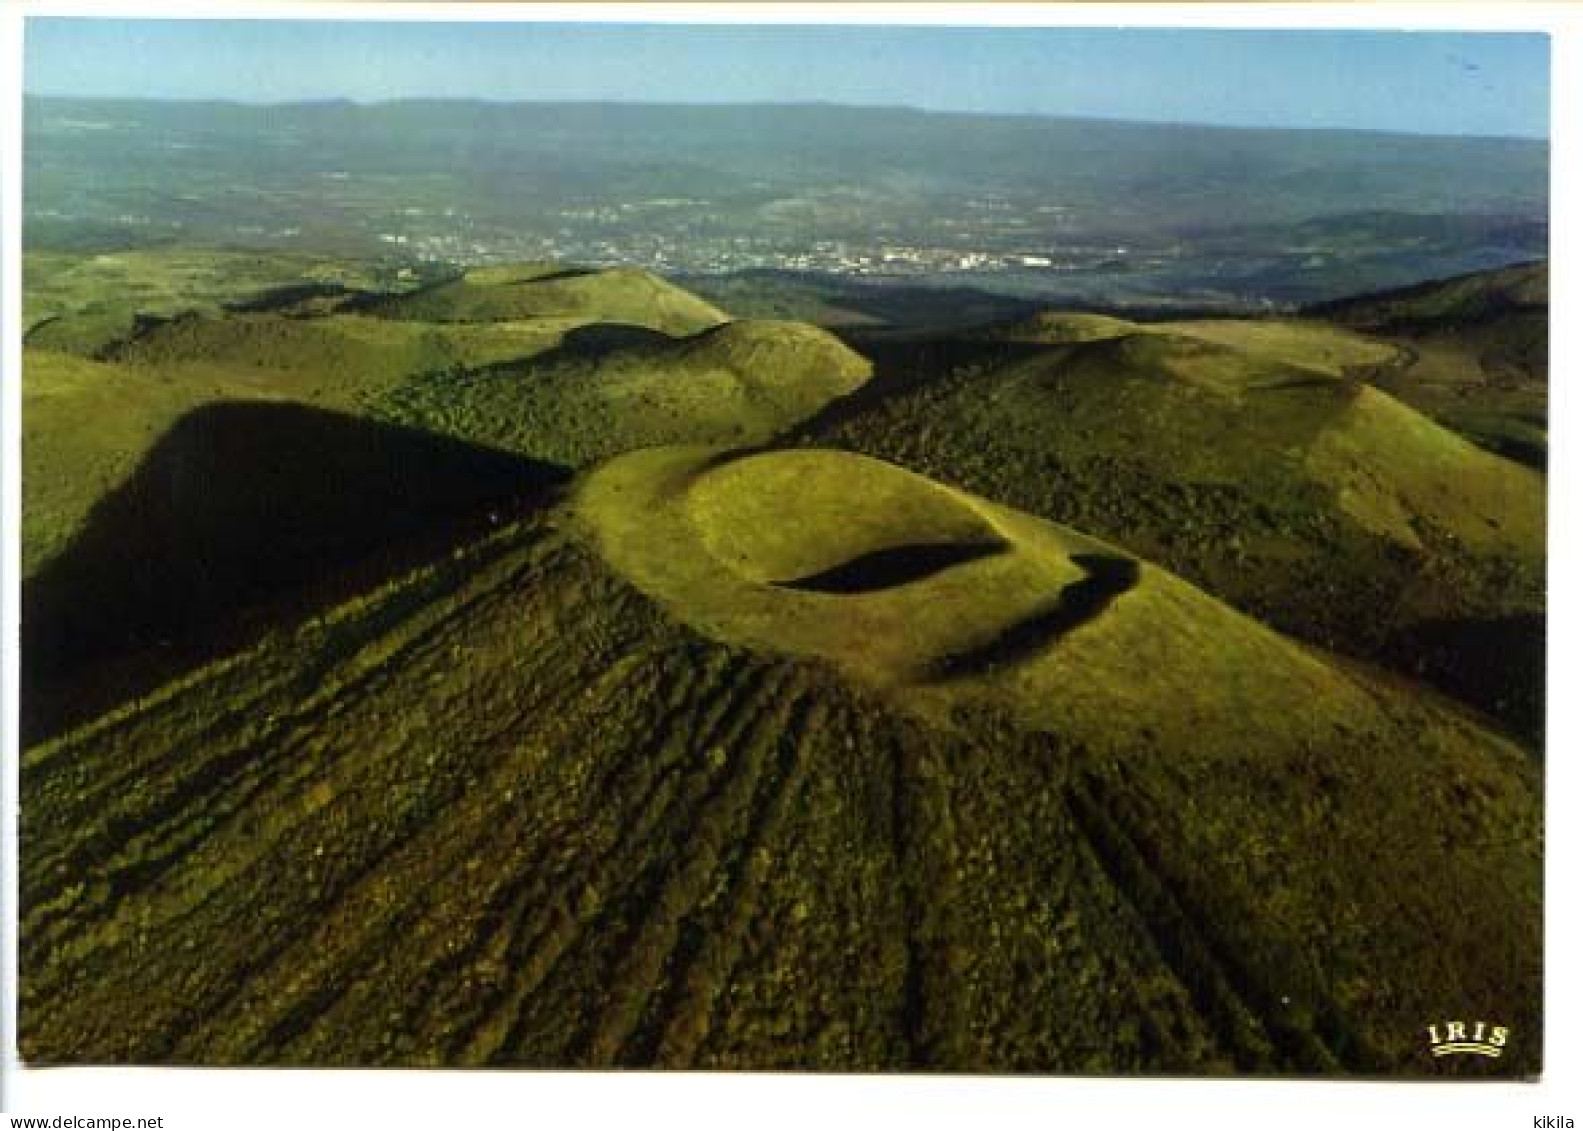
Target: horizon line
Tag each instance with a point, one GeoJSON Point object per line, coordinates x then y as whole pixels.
{"type": "Point", "coordinates": [1034, 115]}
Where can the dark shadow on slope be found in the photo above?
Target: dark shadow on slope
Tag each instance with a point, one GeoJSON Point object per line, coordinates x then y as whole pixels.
{"type": "Point", "coordinates": [240, 502]}
{"type": "Point", "coordinates": [1534, 454]}
{"type": "Point", "coordinates": [1078, 603]}
{"type": "Point", "coordinates": [902, 366]}
{"type": "Point", "coordinates": [1299, 381]}
{"type": "Point", "coordinates": [578, 347]}
{"type": "Point", "coordinates": [283, 299]}
{"type": "Point", "coordinates": [896, 307]}
{"type": "Point", "coordinates": [547, 277]}
{"type": "Point", "coordinates": [599, 338]}
{"type": "Point", "coordinates": [387, 304]}
{"type": "Point", "coordinates": [1497, 665]}
{"type": "Point", "coordinates": [893, 566]}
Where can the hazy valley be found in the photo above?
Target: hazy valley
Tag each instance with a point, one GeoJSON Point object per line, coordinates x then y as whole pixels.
{"type": "Point", "coordinates": [1058, 210]}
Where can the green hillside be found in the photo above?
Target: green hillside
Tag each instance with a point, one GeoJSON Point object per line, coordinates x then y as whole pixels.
{"type": "Point", "coordinates": [533, 668]}
{"type": "Point", "coordinates": [1439, 304]}
{"type": "Point", "coordinates": [1474, 353]}
{"type": "Point", "coordinates": [336, 359]}
{"type": "Point", "coordinates": [83, 303]}
{"type": "Point", "coordinates": [68, 468]}
{"type": "Point", "coordinates": [361, 432]}
{"type": "Point", "coordinates": [496, 294]}
{"type": "Point", "coordinates": [240, 500]}
{"type": "Point", "coordinates": [1300, 495]}
{"type": "Point", "coordinates": [505, 810]}
{"type": "Point", "coordinates": [609, 389]}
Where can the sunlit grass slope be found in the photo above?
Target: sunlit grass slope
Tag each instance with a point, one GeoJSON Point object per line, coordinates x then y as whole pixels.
{"type": "Point", "coordinates": [653, 781]}
{"type": "Point", "coordinates": [1465, 301]}
{"type": "Point", "coordinates": [1304, 496]}
{"type": "Point", "coordinates": [340, 360]}
{"type": "Point", "coordinates": [84, 302]}
{"type": "Point", "coordinates": [1474, 353]}
{"type": "Point", "coordinates": [934, 721]}
{"type": "Point", "coordinates": [219, 459]}
{"type": "Point", "coordinates": [494, 294]}
{"type": "Point", "coordinates": [610, 389]}
{"type": "Point", "coordinates": [1301, 344]}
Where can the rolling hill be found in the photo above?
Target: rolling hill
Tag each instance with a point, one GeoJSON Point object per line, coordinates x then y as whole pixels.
{"type": "Point", "coordinates": [533, 668]}
{"type": "Point", "coordinates": [1246, 458]}
{"type": "Point", "coordinates": [500, 294]}
{"type": "Point", "coordinates": [645, 780]}
{"type": "Point", "coordinates": [335, 359]}
{"type": "Point", "coordinates": [1474, 353]}
{"type": "Point", "coordinates": [609, 389]}
{"type": "Point", "coordinates": [84, 302]}
{"type": "Point", "coordinates": [147, 528]}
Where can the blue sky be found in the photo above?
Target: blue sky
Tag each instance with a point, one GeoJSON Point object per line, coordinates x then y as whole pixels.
{"type": "Point", "coordinates": [1447, 83]}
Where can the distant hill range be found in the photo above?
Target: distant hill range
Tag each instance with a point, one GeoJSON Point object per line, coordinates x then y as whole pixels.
{"type": "Point", "coordinates": [1066, 209]}
{"type": "Point", "coordinates": [1170, 177]}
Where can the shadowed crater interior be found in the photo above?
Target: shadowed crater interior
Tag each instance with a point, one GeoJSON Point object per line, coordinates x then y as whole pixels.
{"type": "Point", "coordinates": [893, 566]}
